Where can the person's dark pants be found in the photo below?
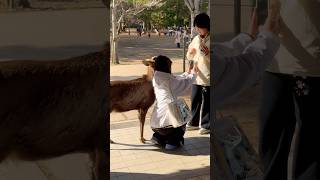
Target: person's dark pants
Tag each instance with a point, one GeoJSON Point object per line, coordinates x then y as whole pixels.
{"type": "Point", "coordinates": [285, 101]}
{"type": "Point", "coordinates": [178, 45]}
{"type": "Point", "coordinates": [172, 136]}
{"type": "Point", "coordinates": [200, 106]}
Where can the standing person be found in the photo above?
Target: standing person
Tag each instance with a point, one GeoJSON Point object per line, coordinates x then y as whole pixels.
{"type": "Point", "coordinates": [137, 31]}
{"type": "Point", "coordinates": [177, 37]}
{"type": "Point", "coordinates": [166, 88]}
{"type": "Point", "coordinates": [290, 94]}
{"type": "Point", "coordinates": [198, 51]}
{"type": "Point", "coordinates": [149, 34]}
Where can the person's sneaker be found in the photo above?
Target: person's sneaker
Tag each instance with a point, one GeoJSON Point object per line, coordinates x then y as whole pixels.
{"type": "Point", "coordinates": [171, 147]}
{"type": "Point", "coordinates": [155, 141]}
{"type": "Point", "coordinates": [204, 131]}
{"type": "Point", "coordinates": [190, 128]}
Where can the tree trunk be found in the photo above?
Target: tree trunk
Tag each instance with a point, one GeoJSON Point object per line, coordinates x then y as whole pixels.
{"type": "Point", "coordinates": [5, 4]}
{"type": "Point", "coordinates": [24, 4]}
{"type": "Point", "coordinates": [194, 8]}
{"type": "Point", "coordinates": [114, 37]}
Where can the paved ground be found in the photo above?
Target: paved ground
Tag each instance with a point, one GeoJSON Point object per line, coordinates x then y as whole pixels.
{"type": "Point", "coordinates": [132, 160]}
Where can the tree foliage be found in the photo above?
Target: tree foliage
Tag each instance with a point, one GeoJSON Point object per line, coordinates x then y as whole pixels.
{"type": "Point", "coordinates": [170, 13]}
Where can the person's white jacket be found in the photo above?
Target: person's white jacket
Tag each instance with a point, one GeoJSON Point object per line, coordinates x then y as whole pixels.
{"type": "Point", "coordinates": [165, 85]}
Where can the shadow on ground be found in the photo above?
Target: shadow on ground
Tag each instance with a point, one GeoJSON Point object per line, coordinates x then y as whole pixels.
{"type": "Point", "coordinates": [186, 150]}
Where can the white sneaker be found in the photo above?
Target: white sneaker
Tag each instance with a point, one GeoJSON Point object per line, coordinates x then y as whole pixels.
{"type": "Point", "coordinates": [204, 131]}
{"type": "Point", "coordinates": [190, 128]}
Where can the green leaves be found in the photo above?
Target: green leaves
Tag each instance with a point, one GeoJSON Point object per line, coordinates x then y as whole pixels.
{"type": "Point", "coordinates": [171, 13]}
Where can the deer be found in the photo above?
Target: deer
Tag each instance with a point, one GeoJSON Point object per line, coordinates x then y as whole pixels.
{"type": "Point", "coordinates": [55, 107]}
{"type": "Point", "coordinates": [136, 94]}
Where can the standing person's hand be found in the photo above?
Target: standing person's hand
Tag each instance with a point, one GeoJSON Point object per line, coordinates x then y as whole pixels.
{"type": "Point", "coordinates": [273, 20]}
{"type": "Point", "coordinates": [190, 66]}
{"type": "Point", "coordinates": [195, 68]}
{"type": "Point", "coordinates": [204, 49]}
{"type": "Point", "coordinates": [253, 27]}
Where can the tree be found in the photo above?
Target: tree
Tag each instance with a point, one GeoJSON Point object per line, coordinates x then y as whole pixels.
{"type": "Point", "coordinates": [121, 9]}
{"type": "Point", "coordinates": [24, 4]}
{"type": "Point", "coordinates": [173, 13]}
{"type": "Point", "coordinates": [195, 7]}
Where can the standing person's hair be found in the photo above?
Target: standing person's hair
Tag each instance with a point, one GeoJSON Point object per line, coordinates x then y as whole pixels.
{"type": "Point", "coordinates": [202, 20]}
{"type": "Point", "coordinates": [162, 64]}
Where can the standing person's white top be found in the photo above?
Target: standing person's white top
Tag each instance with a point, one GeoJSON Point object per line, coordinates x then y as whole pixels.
{"type": "Point", "coordinates": [202, 60]}
{"type": "Point", "coordinates": [162, 82]}
{"type": "Point", "coordinates": [299, 53]}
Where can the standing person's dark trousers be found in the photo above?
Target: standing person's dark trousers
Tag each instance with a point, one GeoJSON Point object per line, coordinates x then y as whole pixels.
{"type": "Point", "coordinates": [200, 106]}
{"type": "Point", "coordinates": [285, 101]}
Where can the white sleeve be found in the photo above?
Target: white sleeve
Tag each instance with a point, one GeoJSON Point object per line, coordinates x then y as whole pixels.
{"type": "Point", "coordinates": [233, 74]}
{"type": "Point", "coordinates": [233, 47]}
{"type": "Point", "coordinates": [181, 85]}
{"type": "Point", "coordinates": [191, 45]}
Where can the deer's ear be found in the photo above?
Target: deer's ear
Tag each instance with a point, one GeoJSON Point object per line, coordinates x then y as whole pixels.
{"type": "Point", "coordinates": [148, 62]}
{"type": "Point", "coordinates": [145, 62]}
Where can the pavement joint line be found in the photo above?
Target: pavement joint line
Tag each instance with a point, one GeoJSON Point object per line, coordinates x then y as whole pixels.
{"type": "Point", "coordinates": [126, 121]}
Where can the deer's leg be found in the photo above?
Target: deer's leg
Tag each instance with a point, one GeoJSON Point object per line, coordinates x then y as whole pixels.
{"type": "Point", "coordinates": [142, 118]}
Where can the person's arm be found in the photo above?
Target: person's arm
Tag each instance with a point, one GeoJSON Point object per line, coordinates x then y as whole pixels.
{"type": "Point", "coordinates": [233, 74]}
{"type": "Point", "coordinates": [235, 46]}
{"type": "Point", "coordinates": [181, 85]}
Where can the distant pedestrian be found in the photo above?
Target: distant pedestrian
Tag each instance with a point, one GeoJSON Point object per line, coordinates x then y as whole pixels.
{"type": "Point", "coordinates": [177, 38]}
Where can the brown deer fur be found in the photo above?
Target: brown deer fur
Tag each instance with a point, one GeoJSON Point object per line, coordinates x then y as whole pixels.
{"type": "Point", "coordinates": [53, 108]}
